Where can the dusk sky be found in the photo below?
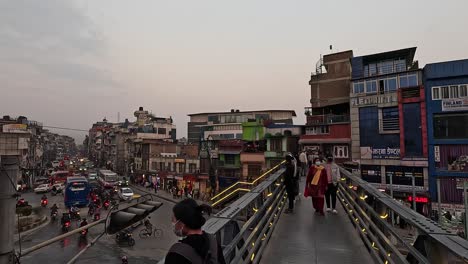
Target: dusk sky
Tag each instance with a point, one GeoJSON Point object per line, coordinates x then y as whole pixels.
{"type": "Point", "coordinates": [72, 63]}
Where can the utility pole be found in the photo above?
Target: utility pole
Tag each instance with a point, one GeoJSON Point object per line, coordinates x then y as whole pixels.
{"type": "Point", "coordinates": [8, 179]}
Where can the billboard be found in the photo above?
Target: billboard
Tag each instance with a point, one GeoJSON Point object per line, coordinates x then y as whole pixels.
{"type": "Point", "coordinates": [455, 104]}
{"type": "Point", "coordinates": [15, 128]}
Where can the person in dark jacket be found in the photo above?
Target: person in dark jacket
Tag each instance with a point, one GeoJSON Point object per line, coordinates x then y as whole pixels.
{"type": "Point", "coordinates": [187, 221]}
{"type": "Point", "coordinates": [290, 182]}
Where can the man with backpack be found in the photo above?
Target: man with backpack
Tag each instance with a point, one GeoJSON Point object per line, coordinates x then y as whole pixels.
{"type": "Point", "coordinates": [197, 247]}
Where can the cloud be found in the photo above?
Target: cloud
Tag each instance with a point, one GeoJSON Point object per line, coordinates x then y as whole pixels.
{"type": "Point", "coordinates": [54, 37]}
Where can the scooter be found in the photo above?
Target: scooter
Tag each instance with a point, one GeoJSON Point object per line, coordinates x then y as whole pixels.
{"type": "Point", "coordinates": [106, 204]}
{"type": "Point", "coordinates": [53, 215]}
{"type": "Point", "coordinates": [66, 226]}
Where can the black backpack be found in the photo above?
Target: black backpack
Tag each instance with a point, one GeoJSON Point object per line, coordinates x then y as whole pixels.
{"type": "Point", "coordinates": [189, 252]}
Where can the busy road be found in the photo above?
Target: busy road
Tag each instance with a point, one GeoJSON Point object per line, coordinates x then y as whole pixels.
{"type": "Point", "coordinates": [106, 250]}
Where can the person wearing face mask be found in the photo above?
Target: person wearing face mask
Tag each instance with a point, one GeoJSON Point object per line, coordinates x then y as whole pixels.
{"type": "Point", "coordinates": [316, 185]}
{"type": "Point", "coordinates": [196, 246]}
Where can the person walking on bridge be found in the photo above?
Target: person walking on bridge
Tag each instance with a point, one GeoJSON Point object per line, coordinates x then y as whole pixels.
{"type": "Point", "coordinates": [333, 174]}
{"type": "Point", "coordinates": [290, 182]}
{"type": "Point", "coordinates": [316, 185]}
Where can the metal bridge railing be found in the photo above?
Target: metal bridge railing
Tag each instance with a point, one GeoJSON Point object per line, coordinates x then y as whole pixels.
{"type": "Point", "coordinates": [371, 212]}
{"type": "Point", "coordinates": [241, 187]}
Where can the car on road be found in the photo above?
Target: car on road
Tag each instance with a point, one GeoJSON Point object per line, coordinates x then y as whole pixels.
{"type": "Point", "coordinates": [123, 182]}
{"type": "Point", "coordinates": [55, 163]}
{"type": "Point", "coordinates": [92, 176]}
{"type": "Point", "coordinates": [125, 193]}
{"type": "Point", "coordinates": [40, 182]}
{"type": "Point", "coordinates": [43, 188]}
{"type": "Point", "coordinates": [58, 186]}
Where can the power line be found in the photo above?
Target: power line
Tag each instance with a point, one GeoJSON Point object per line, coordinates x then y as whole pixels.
{"type": "Point", "coordinates": [66, 128]}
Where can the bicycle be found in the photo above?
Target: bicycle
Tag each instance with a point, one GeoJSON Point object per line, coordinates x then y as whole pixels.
{"type": "Point", "coordinates": [147, 232]}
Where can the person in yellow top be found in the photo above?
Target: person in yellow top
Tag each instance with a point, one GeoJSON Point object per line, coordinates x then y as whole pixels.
{"type": "Point", "coordinates": [316, 185]}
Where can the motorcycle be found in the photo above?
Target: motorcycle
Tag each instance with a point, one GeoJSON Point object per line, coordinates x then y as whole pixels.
{"type": "Point", "coordinates": [44, 202]}
{"type": "Point", "coordinates": [91, 211]}
{"type": "Point", "coordinates": [106, 204]}
{"type": "Point", "coordinates": [53, 215]}
{"type": "Point", "coordinates": [21, 203]}
{"type": "Point", "coordinates": [97, 217]}
{"type": "Point", "coordinates": [125, 236]}
{"type": "Point", "coordinates": [124, 260]}
{"type": "Point", "coordinates": [66, 226]}
{"type": "Point", "coordinates": [83, 233]}
{"type": "Point", "coordinates": [75, 214]}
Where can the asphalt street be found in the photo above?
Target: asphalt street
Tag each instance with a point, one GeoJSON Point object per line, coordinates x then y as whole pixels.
{"type": "Point", "coordinates": [106, 250]}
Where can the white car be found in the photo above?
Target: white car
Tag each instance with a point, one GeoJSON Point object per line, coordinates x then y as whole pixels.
{"type": "Point", "coordinates": [55, 163]}
{"type": "Point", "coordinates": [42, 188]}
{"type": "Point", "coordinates": [58, 186]}
{"type": "Point", "coordinates": [125, 193]}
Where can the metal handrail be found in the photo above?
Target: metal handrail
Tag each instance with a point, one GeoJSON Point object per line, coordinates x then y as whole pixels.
{"type": "Point", "coordinates": [369, 208]}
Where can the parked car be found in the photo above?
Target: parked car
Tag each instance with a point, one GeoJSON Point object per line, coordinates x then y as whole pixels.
{"type": "Point", "coordinates": [42, 188]}
{"type": "Point", "coordinates": [125, 193]}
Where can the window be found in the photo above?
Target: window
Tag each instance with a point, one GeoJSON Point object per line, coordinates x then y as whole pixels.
{"type": "Point", "coordinates": [454, 91]}
{"type": "Point", "coordinates": [358, 87]}
{"type": "Point", "coordinates": [317, 130]}
{"type": "Point", "coordinates": [181, 167]}
{"type": "Point", "coordinates": [192, 167]}
{"type": "Point", "coordinates": [372, 69]}
{"type": "Point", "coordinates": [390, 85]}
{"type": "Point", "coordinates": [445, 92]}
{"type": "Point", "coordinates": [161, 130]}
{"type": "Point", "coordinates": [463, 91]}
{"type": "Point", "coordinates": [390, 119]}
{"type": "Point", "coordinates": [385, 67]}
{"type": "Point", "coordinates": [229, 159]}
{"type": "Point", "coordinates": [410, 80]}
{"type": "Point", "coordinates": [213, 118]}
{"type": "Point", "coordinates": [371, 86]}
{"type": "Point", "coordinates": [276, 144]}
{"type": "Point", "coordinates": [162, 166]}
{"type": "Point", "coordinates": [435, 93]}
{"type": "Point", "coordinates": [340, 152]}
{"type": "Point", "coordinates": [154, 165]}
{"type": "Point", "coordinates": [451, 126]}
{"type": "Point", "coordinates": [169, 166]}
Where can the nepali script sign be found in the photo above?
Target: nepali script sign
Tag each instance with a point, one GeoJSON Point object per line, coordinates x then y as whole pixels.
{"type": "Point", "coordinates": [456, 104]}
{"type": "Point", "coordinates": [385, 153]}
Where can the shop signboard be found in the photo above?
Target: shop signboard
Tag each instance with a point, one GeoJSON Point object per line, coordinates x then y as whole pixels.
{"type": "Point", "coordinates": [380, 153]}
{"type": "Point", "coordinates": [455, 104]}
{"type": "Point", "coordinates": [375, 99]}
{"type": "Point", "coordinates": [15, 128]}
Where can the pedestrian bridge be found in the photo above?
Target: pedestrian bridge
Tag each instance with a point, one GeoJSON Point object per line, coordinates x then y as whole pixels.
{"type": "Point", "coordinates": [252, 227]}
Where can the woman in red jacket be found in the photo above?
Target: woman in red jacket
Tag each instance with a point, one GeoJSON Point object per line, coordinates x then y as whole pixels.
{"type": "Point", "coordinates": [316, 185]}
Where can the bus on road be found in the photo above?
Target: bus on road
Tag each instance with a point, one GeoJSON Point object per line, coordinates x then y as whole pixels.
{"type": "Point", "coordinates": [108, 178]}
{"type": "Point", "coordinates": [76, 192]}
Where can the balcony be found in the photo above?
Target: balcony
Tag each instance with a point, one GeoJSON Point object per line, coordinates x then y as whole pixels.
{"type": "Point", "coordinates": [325, 119]}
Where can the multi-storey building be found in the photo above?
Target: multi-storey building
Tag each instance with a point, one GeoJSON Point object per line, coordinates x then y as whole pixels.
{"type": "Point", "coordinates": [388, 123]}
{"type": "Point", "coordinates": [327, 129]}
{"type": "Point", "coordinates": [446, 86]}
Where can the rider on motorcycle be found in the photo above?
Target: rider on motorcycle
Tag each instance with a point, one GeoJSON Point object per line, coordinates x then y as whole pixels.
{"type": "Point", "coordinates": [44, 197]}
{"type": "Point", "coordinates": [54, 209]}
{"type": "Point", "coordinates": [84, 222]}
{"type": "Point", "coordinates": [65, 218]}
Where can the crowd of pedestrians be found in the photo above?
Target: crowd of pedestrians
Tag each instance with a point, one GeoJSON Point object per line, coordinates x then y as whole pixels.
{"type": "Point", "coordinates": [322, 177]}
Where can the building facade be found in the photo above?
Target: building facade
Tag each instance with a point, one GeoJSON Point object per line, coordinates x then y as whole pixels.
{"type": "Point", "coordinates": [388, 124]}
{"type": "Point", "coordinates": [447, 118]}
{"type": "Point", "coordinates": [328, 129]}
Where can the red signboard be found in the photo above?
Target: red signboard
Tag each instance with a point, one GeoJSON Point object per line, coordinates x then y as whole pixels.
{"type": "Point", "coordinates": [419, 199]}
